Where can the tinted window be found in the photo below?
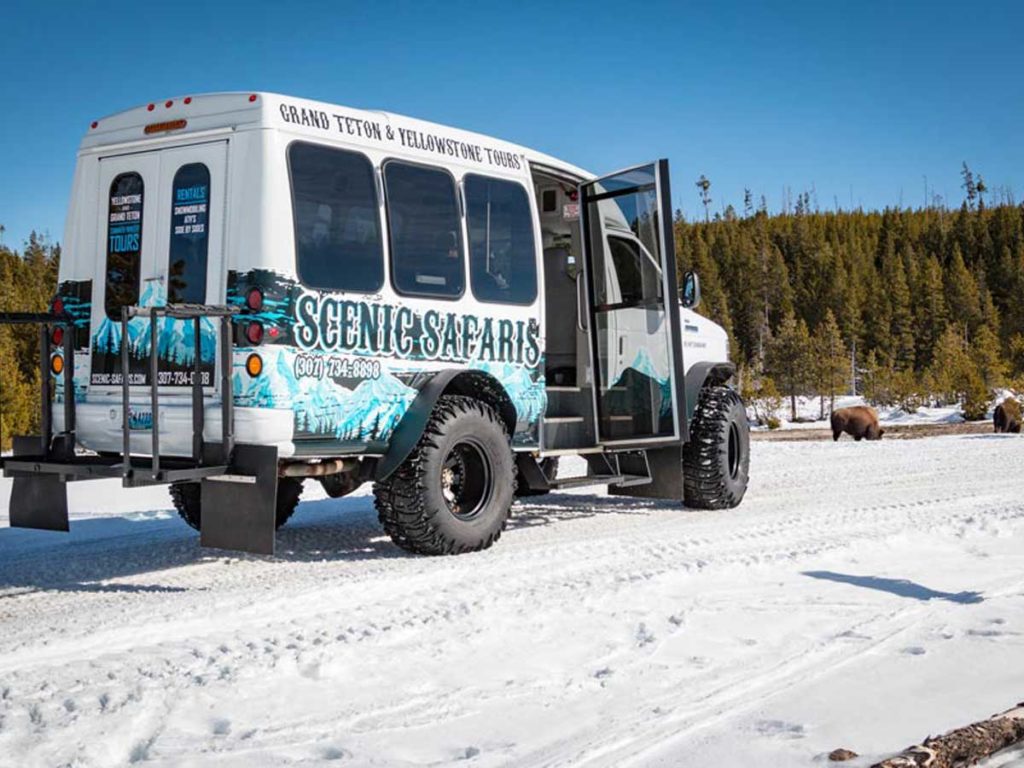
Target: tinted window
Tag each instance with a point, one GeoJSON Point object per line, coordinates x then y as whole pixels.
{"type": "Point", "coordinates": [337, 225]}
{"type": "Point", "coordinates": [124, 244]}
{"type": "Point", "coordinates": [424, 230]}
{"type": "Point", "coordinates": [502, 256]}
{"type": "Point", "coordinates": [190, 204]}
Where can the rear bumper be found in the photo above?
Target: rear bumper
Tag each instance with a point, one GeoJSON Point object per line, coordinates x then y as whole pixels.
{"type": "Point", "coordinates": [99, 427]}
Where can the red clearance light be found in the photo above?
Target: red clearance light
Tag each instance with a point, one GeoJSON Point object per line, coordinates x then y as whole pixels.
{"type": "Point", "coordinates": [58, 336]}
{"type": "Point", "coordinates": [254, 333]}
{"type": "Point", "coordinates": [95, 124]}
{"type": "Point", "coordinates": [252, 97]}
{"type": "Point", "coordinates": [168, 103]}
{"type": "Point", "coordinates": [57, 307]}
{"type": "Point", "coordinates": [254, 299]}
{"type": "Point", "coordinates": [188, 99]}
{"type": "Point", "coordinates": [151, 107]}
{"type": "Point", "coordinates": [170, 125]}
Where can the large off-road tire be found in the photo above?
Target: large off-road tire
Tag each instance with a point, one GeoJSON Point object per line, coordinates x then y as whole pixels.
{"type": "Point", "coordinates": [716, 461]}
{"type": "Point", "coordinates": [549, 466]}
{"type": "Point", "coordinates": [186, 500]}
{"type": "Point", "coordinates": [454, 491]}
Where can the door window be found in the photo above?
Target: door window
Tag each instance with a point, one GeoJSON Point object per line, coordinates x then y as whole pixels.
{"type": "Point", "coordinates": [124, 244]}
{"type": "Point", "coordinates": [190, 232]}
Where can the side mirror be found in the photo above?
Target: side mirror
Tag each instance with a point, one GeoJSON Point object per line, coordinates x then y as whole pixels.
{"type": "Point", "coordinates": [689, 295]}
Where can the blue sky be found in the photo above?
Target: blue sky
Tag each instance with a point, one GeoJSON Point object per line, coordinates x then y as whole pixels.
{"type": "Point", "coordinates": [857, 100]}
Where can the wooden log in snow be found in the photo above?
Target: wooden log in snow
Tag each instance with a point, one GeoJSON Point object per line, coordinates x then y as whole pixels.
{"type": "Point", "coordinates": [964, 746]}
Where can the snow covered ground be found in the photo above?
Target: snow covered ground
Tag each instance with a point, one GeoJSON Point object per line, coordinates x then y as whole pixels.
{"type": "Point", "coordinates": [863, 596]}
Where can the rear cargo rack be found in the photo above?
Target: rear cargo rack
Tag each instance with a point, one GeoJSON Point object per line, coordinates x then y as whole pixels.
{"type": "Point", "coordinates": [48, 454]}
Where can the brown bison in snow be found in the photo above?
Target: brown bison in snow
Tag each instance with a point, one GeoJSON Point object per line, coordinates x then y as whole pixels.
{"type": "Point", "coordinates": [860, 421]}
{"type": "Point", "coordinates": [1006, 417]}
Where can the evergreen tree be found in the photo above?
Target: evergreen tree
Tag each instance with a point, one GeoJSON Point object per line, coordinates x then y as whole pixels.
{"type": "Point", "coordinates": [704, 185]}
{"type": "Point", "coordinates": [789, 358]}
{"type": "Point", "coordinates": [829, 361]}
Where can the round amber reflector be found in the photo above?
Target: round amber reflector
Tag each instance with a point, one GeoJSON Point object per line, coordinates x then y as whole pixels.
{"type": "Point", "coordinates": [254, 365]}
{"type": "Point", "coordinates": [57, 365]}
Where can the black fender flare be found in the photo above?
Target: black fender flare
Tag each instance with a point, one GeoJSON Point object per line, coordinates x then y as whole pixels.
{"type": "Point", "coordinates": [701, 374]}
{"type": "Point", "coordinates": [472, 383]}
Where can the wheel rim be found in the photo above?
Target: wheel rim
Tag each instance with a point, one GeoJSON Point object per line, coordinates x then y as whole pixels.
{"type": "Point", "coordinates": [734, 450]}
{"type": "Point", "coordinates": [466, 479]}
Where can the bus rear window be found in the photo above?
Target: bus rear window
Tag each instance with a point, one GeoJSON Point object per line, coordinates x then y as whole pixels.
{"type": "Point", "coordinates": [124, 244]}
{"type": "Point", "coordinates": [337, 221]}
{"type": "Point", "coordinates": [190, 235]}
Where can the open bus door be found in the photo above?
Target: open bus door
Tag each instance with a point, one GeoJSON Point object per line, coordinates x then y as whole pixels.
{"type": "Point", "coordinates": [629, 267]}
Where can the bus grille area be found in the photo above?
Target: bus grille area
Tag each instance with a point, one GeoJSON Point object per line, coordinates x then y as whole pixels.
{"type": "Point", "coordinates": [238, 481]}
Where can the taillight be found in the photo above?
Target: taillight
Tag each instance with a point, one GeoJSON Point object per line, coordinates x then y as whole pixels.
{"type": "Point", "coordinates": [254, 299]}
{"type": "Point", "coordinates": [57, 306]}
{"type": "Point", "coordinates": [254, 333]}
{"type": "Point", "coordinates": [58, 336]}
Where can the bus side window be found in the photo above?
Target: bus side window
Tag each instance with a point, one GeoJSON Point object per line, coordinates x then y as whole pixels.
{"type": "Point", "coordinates": [338, 244]}
{"type": "Point", "coordinates": [502, 252]}
{"type": "Point", "coordinates": [424, 228]}
{"type": "Point", "coordinates": [124, 244]}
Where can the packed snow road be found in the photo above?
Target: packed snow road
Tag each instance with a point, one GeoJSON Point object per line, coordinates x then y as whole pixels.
{"type": "Point", "coordinates": [864, 595]}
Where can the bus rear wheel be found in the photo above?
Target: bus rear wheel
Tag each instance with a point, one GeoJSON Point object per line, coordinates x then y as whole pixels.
{"type": "Point", "coordinates": [454, 491]}
{"type": "Point", "coordinates": [716, 461]}
{"type": "Point", "coordinates": [186, 498]}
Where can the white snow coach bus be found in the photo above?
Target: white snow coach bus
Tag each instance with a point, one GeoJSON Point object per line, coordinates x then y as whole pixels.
{"type": "Point", "coordinates": [257, 290]}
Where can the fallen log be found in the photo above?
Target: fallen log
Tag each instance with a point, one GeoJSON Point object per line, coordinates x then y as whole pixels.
{"type": "Point", "coordinates": [963, 746]}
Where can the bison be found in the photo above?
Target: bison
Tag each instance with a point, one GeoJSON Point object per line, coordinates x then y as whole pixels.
{"type": "Point", "coordinates": [1006, 417]}
{"type": "Point", "coordinates": [860, 421]}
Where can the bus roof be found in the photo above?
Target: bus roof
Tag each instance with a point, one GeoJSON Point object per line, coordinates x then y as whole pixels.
{"type": "Point", "coordinates": [213, 112]}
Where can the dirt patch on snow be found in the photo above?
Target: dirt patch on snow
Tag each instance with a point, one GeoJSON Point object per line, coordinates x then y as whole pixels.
{"type": "Point", "coordinates": [892, 431]}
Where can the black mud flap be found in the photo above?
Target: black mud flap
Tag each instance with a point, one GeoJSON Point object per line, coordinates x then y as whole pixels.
{"type": "Point", "coordinates": [666, 468]}
{"type": "Point", "coordinates": [531, 474]}
{"type": "Point", "coordinates": [240, 507]}
{"type": "Point", "coordinates": [37, 501]}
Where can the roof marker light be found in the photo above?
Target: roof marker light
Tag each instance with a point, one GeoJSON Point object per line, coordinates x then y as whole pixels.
{"type": "Point", "coordinates": [95, 124]}
{"type": "Point", "coordinates": [168, 103]}
{"type": "Point", "coordinates": [252, 97]}
{"type": "Point", "coordinates": [188, 99]}
{"type": "Point", "coordinates": [151, 107]}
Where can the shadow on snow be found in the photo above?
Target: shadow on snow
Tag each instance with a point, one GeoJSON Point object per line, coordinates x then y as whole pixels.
{"type": "Point", "coordinates": [101, 549]}
{"type": "Point", "coordinates": [898, 587]}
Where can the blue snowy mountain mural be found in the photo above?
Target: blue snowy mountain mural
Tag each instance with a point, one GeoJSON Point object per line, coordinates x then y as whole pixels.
{"type": "Point", "coordinates": [176, 346]}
